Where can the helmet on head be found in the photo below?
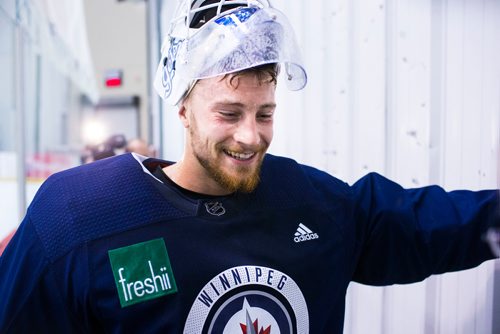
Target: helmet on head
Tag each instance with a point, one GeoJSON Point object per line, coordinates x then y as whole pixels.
{"type": "Point", "coordinates": [208, 38]}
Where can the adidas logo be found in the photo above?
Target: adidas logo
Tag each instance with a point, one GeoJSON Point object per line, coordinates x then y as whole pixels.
{"type": "Point", "coordinates": [304, 234]}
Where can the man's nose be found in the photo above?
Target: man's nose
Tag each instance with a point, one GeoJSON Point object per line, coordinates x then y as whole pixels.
{"type": "Point", "coordinates": [247, 132]}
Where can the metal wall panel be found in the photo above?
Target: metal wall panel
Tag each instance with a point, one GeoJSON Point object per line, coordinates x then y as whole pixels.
{"type": "Point", "coordinates": [410, 89]}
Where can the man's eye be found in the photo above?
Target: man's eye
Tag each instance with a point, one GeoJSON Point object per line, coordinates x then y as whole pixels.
{"type": "Point", "coordinates": [228, 114]}
{"type": "Point", "coordinates": [266, 116]}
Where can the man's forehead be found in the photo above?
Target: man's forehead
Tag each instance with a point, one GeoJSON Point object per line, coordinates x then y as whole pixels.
{"type": "Point", "coordinates": [227, 103]}
{"type": "Point", "coordinates": [244, 91]}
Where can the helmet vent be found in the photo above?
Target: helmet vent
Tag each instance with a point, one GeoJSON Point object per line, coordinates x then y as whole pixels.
{"type": "Point", "coordinates": [204, 15]}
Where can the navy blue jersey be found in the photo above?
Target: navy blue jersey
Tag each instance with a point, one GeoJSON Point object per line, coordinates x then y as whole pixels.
{"type": "Point", "coordinates": [110, 247]}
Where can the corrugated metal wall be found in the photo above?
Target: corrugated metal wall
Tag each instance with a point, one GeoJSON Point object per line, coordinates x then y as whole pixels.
{"type": "Point", "coordinates": [411, 89]}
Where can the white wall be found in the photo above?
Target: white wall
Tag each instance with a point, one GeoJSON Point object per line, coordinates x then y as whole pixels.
{"type": "Point", "coordinates": [117, 38]}
{"type": "Point", "coordinates": [46, 70]}
{"type": "Point", "coordinates": [411, 89]}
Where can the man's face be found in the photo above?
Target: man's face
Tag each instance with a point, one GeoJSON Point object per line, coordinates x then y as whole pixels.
{"type": "Point", "coordinates": [230, 127]}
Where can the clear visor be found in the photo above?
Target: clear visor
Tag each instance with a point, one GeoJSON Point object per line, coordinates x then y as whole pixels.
{"type": "Point", "coordinates": [244, 38]}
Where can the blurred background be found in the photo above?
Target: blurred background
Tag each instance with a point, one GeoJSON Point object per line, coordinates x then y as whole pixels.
{"type": "Point", "coordinates": [407, 88]}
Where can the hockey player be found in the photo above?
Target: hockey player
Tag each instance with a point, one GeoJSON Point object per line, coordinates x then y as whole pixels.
{"type": "Point", "coordinates": [228, 239]}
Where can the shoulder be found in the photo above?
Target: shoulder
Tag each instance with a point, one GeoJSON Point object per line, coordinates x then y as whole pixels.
{"type": "Point", "coordinates": [281, 167]}
{"type": "Point", "coordinates": [308, 182]}
{"type": "Point", "coordinates": [86, 182]}
{"type": "Point", "coordinates": [93, 201]}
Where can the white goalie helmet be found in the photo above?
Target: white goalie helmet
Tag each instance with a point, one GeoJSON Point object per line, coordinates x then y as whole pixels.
{"type": "Point", "coordinates": [208, 38]}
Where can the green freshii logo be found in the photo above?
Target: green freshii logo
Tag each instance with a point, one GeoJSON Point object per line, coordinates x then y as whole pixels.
{"type": "Point", "coordinates": [142, 272]}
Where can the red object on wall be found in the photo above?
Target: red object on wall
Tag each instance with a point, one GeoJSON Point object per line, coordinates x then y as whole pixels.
{"type": "Point", "coordinates": [113, 82]}
{"type": "Point", "coordinates": [113, 78]}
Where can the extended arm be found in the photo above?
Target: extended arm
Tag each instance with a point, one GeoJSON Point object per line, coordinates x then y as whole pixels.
{"type": "Point", "coordinates": [410, 234]}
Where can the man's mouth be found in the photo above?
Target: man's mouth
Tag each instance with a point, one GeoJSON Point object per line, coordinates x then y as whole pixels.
{"type": "Point", "coordinates": [240, 156]}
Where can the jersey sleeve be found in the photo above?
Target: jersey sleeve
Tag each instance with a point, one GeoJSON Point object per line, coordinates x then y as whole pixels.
{"type": "Point", "coordinates": [406, 235]}
{"type": "Point", "coordinates": [31, 295]}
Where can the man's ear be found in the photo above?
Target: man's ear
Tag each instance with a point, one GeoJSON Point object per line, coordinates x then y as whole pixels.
{"type": "Point", "coordinates": [183, 114]}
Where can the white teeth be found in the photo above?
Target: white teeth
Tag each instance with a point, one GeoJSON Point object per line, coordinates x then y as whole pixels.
{"type": "Point", "coordinates": [240, 156]}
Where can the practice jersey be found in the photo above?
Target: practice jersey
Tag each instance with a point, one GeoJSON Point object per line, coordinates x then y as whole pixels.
{"type": "Point", "coordinates": [110, 247]}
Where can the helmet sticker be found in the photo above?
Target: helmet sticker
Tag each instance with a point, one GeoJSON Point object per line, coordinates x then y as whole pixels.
{"type": "Point", "coordinates": [169, 66]}
{"type": "Point", "coordinates": [242, 15]}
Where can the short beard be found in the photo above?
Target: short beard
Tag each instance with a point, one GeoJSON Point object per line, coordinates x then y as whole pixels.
{"type": "Point", "coordinates": [245, 179]}
{"type": "Point", "coordinates": [247, 183]}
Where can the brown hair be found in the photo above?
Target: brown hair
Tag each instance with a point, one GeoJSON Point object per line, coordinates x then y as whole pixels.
{"type": "Point", "coordinates": [267, 73]}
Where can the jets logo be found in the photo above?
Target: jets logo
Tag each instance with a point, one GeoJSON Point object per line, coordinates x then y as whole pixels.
{"type": "Point", "coordinates": [251, 326]}
{"type": "Point", "coordinates": [249, 300]}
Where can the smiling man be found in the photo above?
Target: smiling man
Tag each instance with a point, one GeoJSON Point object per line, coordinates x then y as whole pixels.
{"type": "Point", "coordinates": [229, 239]}
{"type": "Point", "coordinates": [229, 122]}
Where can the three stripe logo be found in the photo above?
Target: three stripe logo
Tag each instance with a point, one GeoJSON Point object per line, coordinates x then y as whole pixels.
{"type": "Point", "coordinates": [304, 234]}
